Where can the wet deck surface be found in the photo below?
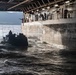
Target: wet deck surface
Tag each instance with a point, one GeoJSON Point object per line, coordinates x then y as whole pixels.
{"type": "Point", "coordinates": [40, 59]}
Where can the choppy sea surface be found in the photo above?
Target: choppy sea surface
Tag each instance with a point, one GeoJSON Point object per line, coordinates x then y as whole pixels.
{"type": "Point", "coordinates": [39, 59]}
{"type": "Point", "coordinates": [4, 29]}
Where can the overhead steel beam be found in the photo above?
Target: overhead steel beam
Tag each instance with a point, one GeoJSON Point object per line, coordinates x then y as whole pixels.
{"type": "Point", "coordinates": [7, 2]}
{"type": "Point", "coordinates": [18, 4]}
{"type": "Point", "coordinates": [32, 5]}
{"type": "Point", "coordinates": [23, 9]}
{"type": "Point", "coordinates": [48, 1]}
{"type": "Point", "coordinates": [39, 3]}
{"type": "Point", "coordinates": [10, 1]}
{"type": "Point", "coordinates": [27, 8]}
{"type": "Point", "coordinates": [35, 4]}
{"type": "Point", "coordinates": [43, 1]}
{"type": "Point", "coordinates": [51, 3]}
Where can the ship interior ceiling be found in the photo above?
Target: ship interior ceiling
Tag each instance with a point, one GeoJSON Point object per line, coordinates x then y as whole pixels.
{"type": "Point", "coordinates": [27, 5]}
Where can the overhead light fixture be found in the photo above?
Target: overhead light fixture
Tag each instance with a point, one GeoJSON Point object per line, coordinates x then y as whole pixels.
{"type": "Point", "coordinates": [67, 2]}
{"type": "Point", "coordinates": [70, 9]}
{"type": "Point", "coordinates": [32, 11]}
{"type": "Point", "coordinates": [43, 8]}
{"type": "Point", "coordinates": [53, 9]}
{"type": "Point", "coordinates": [56, 5]}
{"type": "Point", "coordinates": [37, 10]}
{"type": "Point", "coordinates": [48, 7]}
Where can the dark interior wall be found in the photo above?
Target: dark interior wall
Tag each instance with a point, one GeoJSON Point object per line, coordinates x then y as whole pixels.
{"type": "Point", "coordinates": [70, 38]}
{"type": "Point", "coordinates": [67, 34]}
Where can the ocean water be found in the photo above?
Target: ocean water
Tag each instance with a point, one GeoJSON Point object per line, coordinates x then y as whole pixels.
{"type": "Point", "coordinates": [4, 29]}
{"type": "Point", "coordinates": [39, 59]}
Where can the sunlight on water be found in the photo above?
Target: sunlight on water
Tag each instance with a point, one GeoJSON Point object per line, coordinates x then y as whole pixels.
{"type": "Point", "coordinates": [4, 29]}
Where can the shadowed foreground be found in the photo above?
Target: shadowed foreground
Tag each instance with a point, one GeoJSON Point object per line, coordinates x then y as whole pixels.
{"type": "Point", "coordinates": [40, 59]}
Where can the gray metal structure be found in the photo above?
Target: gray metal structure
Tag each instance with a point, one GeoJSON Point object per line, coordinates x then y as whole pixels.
{"type": "Point", "coordinates": [27, 5]}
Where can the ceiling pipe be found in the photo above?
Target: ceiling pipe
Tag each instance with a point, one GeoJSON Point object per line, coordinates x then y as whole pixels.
{"type": "Point", "coordinates": [18, 4]}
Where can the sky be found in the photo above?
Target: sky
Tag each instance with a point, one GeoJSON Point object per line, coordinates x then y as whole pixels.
{"type": "Point", "coordinates": [10, 18]}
